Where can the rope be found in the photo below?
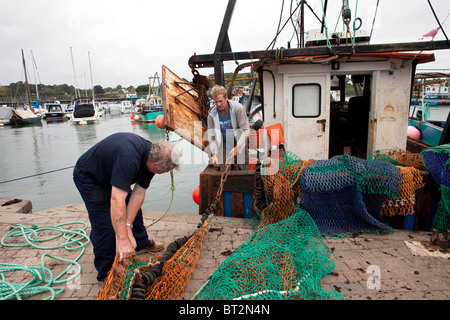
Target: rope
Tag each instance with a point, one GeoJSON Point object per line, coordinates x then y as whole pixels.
{"type": "Point", "coordinates": [37, 174]}
{"type": "Point", "coordinates": [170, 204]}
{"type": "Point", "coordinates": [43, 278]}
{"type": "Point", "coordinates": [354, 24]}
{"type": "Point", "coordinates": [325, 27]}
{"type": "Point", "coordinates": [172, 188]}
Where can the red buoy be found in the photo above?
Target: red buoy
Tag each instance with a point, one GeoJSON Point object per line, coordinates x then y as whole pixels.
{"type": "Point", "coordinates": [132, 116]}
{"type": "Point", "coordinates": [196, 195]}
{"type": "Point", "coordinates": [159, 121]}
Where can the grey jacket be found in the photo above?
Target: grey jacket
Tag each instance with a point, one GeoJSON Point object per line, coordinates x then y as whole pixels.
{"type": "Point", "coordinates": [239, 121]}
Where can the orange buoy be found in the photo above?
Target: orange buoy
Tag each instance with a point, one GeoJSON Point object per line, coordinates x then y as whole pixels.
{"type": "Point", "coordinates": [159, 121]}
{"type": "Point", "coordinates": [196, 195]}
{"type": "Point", "coordinates": [132, 116]}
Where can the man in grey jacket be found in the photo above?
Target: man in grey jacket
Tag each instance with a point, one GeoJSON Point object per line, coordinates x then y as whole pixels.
{"type": "Point", "coordinates": [228, 130]}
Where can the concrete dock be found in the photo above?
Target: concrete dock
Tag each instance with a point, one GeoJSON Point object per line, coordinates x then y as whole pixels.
{"type": "Point", "coordinates": [368, 267]}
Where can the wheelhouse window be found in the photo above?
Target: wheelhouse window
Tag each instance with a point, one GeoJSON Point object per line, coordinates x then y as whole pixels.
{"type": "Point", "coordinates": [306, 100]}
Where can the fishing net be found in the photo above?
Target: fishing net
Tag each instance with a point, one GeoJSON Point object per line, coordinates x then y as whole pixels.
{"type": "Point", "coordinates": [296, 203]}
{"type": "Point", "coordinates": [398, 157]}
{"type": "Point", "coordinates": [438, 164]}
{"type": "Point", "coordinates": [160, 277]}
{"type": "Point", "coordinates": [343, 195]}
{"type": "Point", "coordinates": [283, 260]}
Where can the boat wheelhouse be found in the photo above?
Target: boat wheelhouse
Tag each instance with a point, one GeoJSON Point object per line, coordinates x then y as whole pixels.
{"type": "Point", "coordinates": [319, 101]}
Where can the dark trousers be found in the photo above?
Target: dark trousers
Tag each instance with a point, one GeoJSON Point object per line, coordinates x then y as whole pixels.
{"type": "Point", "coordinates": [97, 201]}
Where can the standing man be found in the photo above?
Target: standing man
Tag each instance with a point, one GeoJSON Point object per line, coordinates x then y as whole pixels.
{"type": "Point", "coordinates": [104, 176]}
{"type": "Point", "coordinates": [228, 129]}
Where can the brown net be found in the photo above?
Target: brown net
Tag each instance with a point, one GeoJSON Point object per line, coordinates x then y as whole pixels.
{"type": "Point", "coordinates": [117, 285]}
{"type": "Point", "coordinates": [403, 203]}
{"type": "Point", "coordinates": [398, 157]}
{"type": "Point", "coordinates": [158, 277]}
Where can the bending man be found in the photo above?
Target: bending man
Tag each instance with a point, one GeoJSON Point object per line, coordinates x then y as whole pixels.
{"type": "Point", "coordinates": [104, 176]}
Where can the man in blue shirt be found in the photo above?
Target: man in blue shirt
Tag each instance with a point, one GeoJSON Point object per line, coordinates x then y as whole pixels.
{"type": "Point", "coordinates": [104, 176]}
{"type": "Point", "coordinates": [228, 130]}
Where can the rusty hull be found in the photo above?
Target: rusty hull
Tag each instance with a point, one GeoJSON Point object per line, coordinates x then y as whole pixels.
{"type": "Point", "coordinates": [182, 109]}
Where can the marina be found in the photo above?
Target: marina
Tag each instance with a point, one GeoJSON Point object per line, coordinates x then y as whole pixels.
{"type": "Point", "coordinates": [30, 151]}
{"type": "Point", "coordinates": [346, 195]}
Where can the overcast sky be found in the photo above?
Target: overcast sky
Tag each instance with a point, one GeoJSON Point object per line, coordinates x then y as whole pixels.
{"type": "Point", "coordinates": [130, 40]}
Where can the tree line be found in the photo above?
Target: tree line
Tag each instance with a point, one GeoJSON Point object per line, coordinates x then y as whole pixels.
{"type": "Point", "coordinates": [18, 90]}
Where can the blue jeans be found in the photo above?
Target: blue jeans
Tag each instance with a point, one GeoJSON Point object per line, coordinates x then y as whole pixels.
{"type": "Point", "coordinates": [97, 201]}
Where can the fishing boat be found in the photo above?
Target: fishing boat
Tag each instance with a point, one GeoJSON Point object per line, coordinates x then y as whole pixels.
{"type": "Point", "coordinates": [126, 107]}
{"type": "Point", "coordinates": [148, 108]}
{"type": "Point", "coordinates": [429, 112]}
{"type": "Point", "coordinates": [312, 179]}
{"type": "Point", "coordinates": [430, 100]}
{"type": "Point", "coordinates": [54, 112]}
{"type": "Point", "coordinates": [297, 86]}
{"type": "Point", "coordinates": [435, 94]}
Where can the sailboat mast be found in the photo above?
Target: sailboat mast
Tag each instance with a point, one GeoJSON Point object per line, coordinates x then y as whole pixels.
{"type": "Point", "coordinates": [26, 80]}
{"type": "Point", "coordinates": [34, 73]}
{"type": "Point", "coordinates": [74, 76]}
{"type": "Point", "coordinates": [92, 82]}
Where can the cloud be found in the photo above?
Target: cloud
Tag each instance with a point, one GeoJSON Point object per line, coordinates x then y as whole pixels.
{"type": "Point", "coordinates": [131, 40]}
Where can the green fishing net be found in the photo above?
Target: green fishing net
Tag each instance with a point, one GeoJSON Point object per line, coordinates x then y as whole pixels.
{"type": "Point", "coordinates": [284, 260]}
{"type": "Point", "coordinates": [286, 256]}
{"type": "Point", "coordinates": [438, 164]}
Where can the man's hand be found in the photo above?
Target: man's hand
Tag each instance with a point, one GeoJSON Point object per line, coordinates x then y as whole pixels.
{"type": "Point", "coordinates": [234, 150]}
{"type": "Point", "coordinates": [215, 161]}
{"type": "Point", "coordinates": [125, 248]}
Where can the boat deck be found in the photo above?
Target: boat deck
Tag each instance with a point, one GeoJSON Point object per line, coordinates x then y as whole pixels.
{"type": "Point", "coordinates": [405, 273]}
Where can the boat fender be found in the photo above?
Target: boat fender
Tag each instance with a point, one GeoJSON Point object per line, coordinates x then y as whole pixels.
{"type": "Point", "coordinates": [413, 133]}
{"type": "Point", "coordinates": [196, 195]}
{"type": "Point", "coordinates": [159, 122]}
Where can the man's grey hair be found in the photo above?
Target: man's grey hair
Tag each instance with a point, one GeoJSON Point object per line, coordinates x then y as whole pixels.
{"type": "Point", "coordinates": [165, 154]}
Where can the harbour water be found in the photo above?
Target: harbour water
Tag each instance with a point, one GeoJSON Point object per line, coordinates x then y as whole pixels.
{"type": "Point", "coordinates": [53, 148]}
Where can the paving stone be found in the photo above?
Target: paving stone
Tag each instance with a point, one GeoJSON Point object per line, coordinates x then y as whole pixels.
{"type": "Point", "coordinates": [402, 275]}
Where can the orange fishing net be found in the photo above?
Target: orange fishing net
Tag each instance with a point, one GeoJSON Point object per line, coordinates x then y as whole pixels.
{"type": "Point", "coordinates": [160, 277]}
{"type": "Point", "coordinates": [399, 157]}
{"type": "Point", "coordinates": [403, 203]}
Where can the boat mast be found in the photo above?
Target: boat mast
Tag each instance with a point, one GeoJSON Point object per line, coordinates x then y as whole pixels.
{"type": "Point", "coordinates": [34, 73]}
{"type": "Point", "coordinates": [302, 24]}
{"type": "Point", "coordinates": [74, 77]}
{"type": "Point", "coordinates": [92, 82]}
{"type": "Point", "coordinates": [26, 81]}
